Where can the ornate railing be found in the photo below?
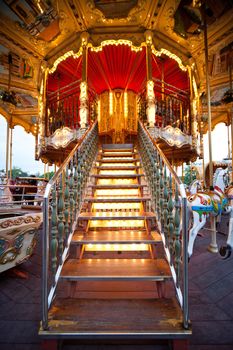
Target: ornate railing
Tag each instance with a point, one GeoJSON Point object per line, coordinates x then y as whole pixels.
{"type": "Point", "coordinates": [61, 205]}
{"type": "Point", "coordinates": [168, 200]}
{"type": "Point", "coordinates": [62, 108]}
{"type": "Point", "coordinates": [172, 107]}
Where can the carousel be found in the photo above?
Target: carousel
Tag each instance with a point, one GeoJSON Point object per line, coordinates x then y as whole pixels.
{"type": "Point", "coordinates": [118, 95]}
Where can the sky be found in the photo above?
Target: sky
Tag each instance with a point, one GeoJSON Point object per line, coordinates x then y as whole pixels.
{"type": "Point", "coordinates": [24, 148]}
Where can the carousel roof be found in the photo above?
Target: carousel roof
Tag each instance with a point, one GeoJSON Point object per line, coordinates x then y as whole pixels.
{"type": "Point", "coordinates": [35, 34]}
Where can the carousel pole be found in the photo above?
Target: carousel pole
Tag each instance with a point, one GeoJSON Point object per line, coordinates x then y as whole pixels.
{"type": "Point", "coordinates": [11, 137]}
{"type": "Point", "coordinates": [7, 149]}
{"type": "Point", "coordinates": [231, 144]}
{"type": "Point", "coordinates": [213, 248]}
{"type": "Point", "coordinates": [231, 113]}
{"type": "Point", "coordinates": [208, 101]}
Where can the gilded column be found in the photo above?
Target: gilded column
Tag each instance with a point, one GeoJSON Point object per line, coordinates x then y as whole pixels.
{"type": "Point", "coordinates": [42, 113]}
{"type": "Point", "coordinates": [83, 109]}
{"type": "Point", "coordinates": [150, 110]}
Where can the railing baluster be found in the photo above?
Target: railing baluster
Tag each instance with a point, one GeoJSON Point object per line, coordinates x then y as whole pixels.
{"type": "Point", "coordinates": [165, 204]}
{"type": "Point", "coordinates": [177, 244]}
{"type": "Point", "coordinates": [75, 184]}
{"type": "Point", "coordinates": [66, 212]}
{"type": "Point", "coordinates": [54, 233]}
{"type": "Point", "coordinates": [170, 217]}
{"type": "Point", "coordinates": [161, 185]}
{"type": "Point", "coordinates": [71, 191]}
{"type": "Point", "coordinates": [61, 225]}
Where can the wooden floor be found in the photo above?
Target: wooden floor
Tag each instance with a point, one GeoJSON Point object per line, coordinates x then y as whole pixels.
{"type": "Point", "coordinates": [211, 305]}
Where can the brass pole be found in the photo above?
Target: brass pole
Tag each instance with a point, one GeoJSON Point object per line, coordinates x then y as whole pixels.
{"type": "Point", "coordinates": [148, 62]}
{"type": "Point", "coordinates": [231, 144]}
{"type": "Point", "coordinates": [7, 148]}
{"type": "Point", "coordinates": [11, 136]}
{"type": "Point", "coordinates": [162, 78]}
{"type": "Point", "coordinates": [208, 102]}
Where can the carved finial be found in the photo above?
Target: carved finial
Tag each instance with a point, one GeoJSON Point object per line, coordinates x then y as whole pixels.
{"type": "Point", "coordinates": [84, 37]}
{"type": "Point", "coordinates": [148, 36]}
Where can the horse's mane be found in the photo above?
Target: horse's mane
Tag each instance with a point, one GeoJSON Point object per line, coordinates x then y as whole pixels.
{"type": "Point", "coordinates": [216, 174]}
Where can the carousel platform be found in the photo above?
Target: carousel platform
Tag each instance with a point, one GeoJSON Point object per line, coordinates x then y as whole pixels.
{"type": "Point", "coordinates": [211, 305]}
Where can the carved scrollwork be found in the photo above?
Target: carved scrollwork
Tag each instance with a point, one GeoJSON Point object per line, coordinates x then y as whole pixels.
{"type": "Point", "coordinates": [173, 136]}
{"type": "Point", "coordinates": [20, 220]}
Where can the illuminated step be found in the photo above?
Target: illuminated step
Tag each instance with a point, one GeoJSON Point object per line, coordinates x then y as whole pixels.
{"type": "Point", "coordinates": [116, 269]}
{"type": "Point", "coordinates": [122, 160]}
{"type": "Point", "coordinates": [125, 215]}
{"type": "Point", "coordinates": [118, 154]}
{"type": "Point", "coordinates": [116, 215]}
{"type": "Point", "coordinates": [121, 172]}
{"type": "Point", "coordinates": [116, 206]}
{"type": "Point", "coordinates": [123, 186]}
{"type": "Point", "coordinates": [116, 236]}
{"type": "Point", "coordinates": [120, 176]}
{"type": "Point", "coordinates": [118, 159]}
{"type": "Point", "coordinates": [117, 167]}
{"type": "Point", "coordinates": [117, 181]}
{"type": "Point", "coordinates": [123, 224]}
{"type": "Point", "coordinates": [116, 200]}
{"type": "Point", "coordinates": [116, 247]}
{"type": "Point", "coordinates": [120, 193]}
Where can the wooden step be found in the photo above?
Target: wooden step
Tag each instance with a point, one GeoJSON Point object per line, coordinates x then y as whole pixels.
{"type": "Point", "coordinates": [118, 161]}
{"type": "Point", "coordinates": [117, 176]}
{"type": "Point", "coordinates": [115, 319]}
{"type": "Point", "coordinates": [116, 215]}
{"type": "Point", "coordinates": [102, 167]}
{"type": "Point", "coordinates": [116, 269]}
{"type": "Point", "coordinates": [117, 154]}
{"type": "Point", "coordinates": [114, 236]}
{"type": "Point", "coordinates": [116, 200]}
{"type": "Point", "coordinates": [117, 147]}
{"type": "Point", "coordinates": [116, 187]}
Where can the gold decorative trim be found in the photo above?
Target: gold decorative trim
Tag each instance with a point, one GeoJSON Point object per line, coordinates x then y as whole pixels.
{"type": "Point", "coordinates": [116, 42]}
{"type": "Point", "coordinates": [19, 221]}
{"type": "Point", "coordinates": [171, 55]}
{"type": "Point", "coordinates": [173, 136]}
{"type": "Point", "coordinates": [64, 57]}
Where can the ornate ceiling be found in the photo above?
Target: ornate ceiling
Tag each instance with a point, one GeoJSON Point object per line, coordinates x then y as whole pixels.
{"type": "Point", "coordinates": [38, 32]}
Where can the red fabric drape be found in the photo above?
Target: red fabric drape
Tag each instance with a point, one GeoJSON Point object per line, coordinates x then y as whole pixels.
{"type": "Point", "coordinates": [116, 67]}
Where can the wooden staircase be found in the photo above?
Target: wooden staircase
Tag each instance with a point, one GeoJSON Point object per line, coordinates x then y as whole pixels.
{"type": "Point", "coordinates": [116, 282]}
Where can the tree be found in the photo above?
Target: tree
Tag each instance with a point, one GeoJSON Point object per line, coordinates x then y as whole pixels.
{"type": "Point", "coordinates": [48, 175]}
{"type": "Point", "coordinates": [16, 171]}
{"type": "Point", "coordinates": [190, 174]}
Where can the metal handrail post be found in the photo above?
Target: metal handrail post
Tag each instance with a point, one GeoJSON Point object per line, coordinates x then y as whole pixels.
{"type": "Point", "coordinates": [45, 262]}
{"type": "Point", "coordinates": [185, 263]}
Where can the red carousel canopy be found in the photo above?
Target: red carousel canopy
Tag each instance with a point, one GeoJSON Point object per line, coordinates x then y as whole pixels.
{"type": "Point", "coordinates": [117, 66]}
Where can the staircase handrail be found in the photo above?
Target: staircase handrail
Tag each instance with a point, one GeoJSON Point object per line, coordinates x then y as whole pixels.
{"type": "Point", "coordinates": [169, 201]}
{"type": "Point", "coordinates": [61, 205]}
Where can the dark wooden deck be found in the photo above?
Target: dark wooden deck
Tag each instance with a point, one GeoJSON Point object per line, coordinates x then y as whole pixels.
{"type": "Point", "coordinates": [211, 305]}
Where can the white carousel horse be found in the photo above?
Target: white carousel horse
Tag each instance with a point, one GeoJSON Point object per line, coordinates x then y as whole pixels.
{"type": "Point", "coordinates": [5, 192]}
{"type": "Point", "coordinates": [195, 186]}
{"type": "Point", "coordinates": [225, 251]}
{"type": "Point", "coordinates": [202, 204]}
